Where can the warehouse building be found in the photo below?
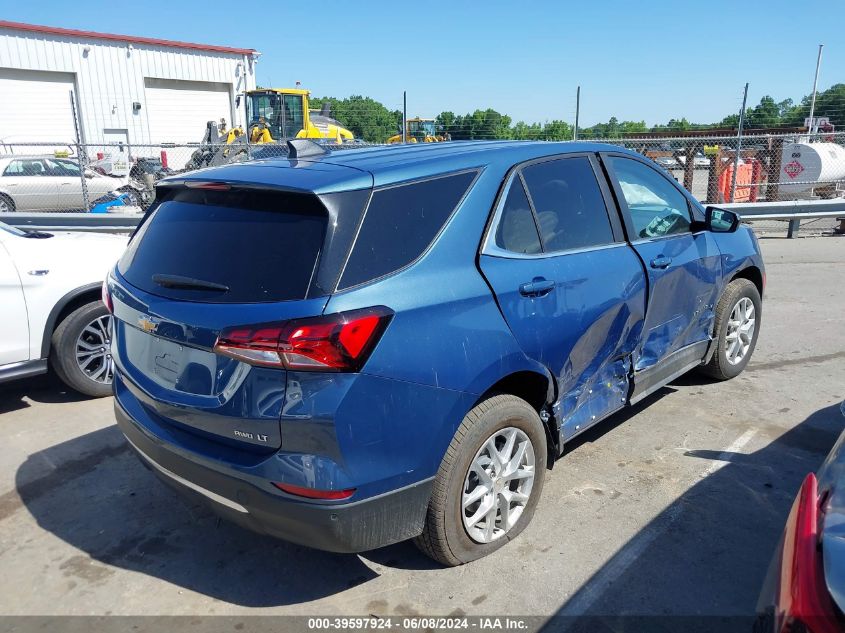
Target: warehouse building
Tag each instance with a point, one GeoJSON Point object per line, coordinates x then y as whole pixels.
{"type": "Point", "coordinates": [59, 84]}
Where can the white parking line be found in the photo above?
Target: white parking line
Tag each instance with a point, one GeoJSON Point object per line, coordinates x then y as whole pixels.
{"type": "Point", "coordinates": [589, 593]}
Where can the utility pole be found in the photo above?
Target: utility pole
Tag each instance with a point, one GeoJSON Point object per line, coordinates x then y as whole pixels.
{"type": "Point", "coordinates": [738, 142]}
{"type": "Point", "coordinates": [815, 87]}
{"type": "Point", "coordinates": [404, 116]}
{"type": "Point", "coordinates": [577, 113]}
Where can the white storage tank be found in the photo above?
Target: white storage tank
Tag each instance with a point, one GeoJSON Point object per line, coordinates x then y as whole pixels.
{"type": "Point", "coordinates": [805, 166]}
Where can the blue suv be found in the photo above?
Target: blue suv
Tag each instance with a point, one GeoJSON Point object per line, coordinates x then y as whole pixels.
{"type": "Point", "coordinates": [349, 349]}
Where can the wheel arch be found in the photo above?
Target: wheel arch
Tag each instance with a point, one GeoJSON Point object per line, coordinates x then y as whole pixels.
{"type": "Point", "coordinates": [753, 274]}
{"type": "Point", "coordinates": [68, 303]}
{"type": "Point", "coordinates": [538, 390]}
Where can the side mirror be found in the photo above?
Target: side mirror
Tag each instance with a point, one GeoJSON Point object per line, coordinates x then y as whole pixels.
{"type": "Point", "coordinates": [721, 220]}
{"type": "Point", "coordinates": [717, 221]}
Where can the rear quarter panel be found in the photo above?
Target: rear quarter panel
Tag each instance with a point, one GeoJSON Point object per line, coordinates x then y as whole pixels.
{"type": "Point", "coordinates": [446, 345]}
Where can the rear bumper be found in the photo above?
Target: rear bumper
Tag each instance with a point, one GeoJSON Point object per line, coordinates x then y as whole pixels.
{"type": "Point", "coordinates": [345, 527]}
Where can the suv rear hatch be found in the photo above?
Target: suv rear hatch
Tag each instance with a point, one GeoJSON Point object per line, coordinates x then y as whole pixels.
{"type": "Point", "coordinates": [211, 256]}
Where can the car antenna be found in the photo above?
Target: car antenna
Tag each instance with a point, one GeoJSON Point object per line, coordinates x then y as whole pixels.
{"type": "Point", "coordinates": [303, 148]}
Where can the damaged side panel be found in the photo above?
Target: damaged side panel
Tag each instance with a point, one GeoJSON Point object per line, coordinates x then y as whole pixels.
{"type": "Point", "coordinates": [585, 330]}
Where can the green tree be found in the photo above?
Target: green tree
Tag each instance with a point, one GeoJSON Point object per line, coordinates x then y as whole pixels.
{"type": "Point", "coordinates": [766, 114]}
{"type": "Point", "coordinates": [366, 118]}
{"type": "Point", "coordinates": [829, 103]}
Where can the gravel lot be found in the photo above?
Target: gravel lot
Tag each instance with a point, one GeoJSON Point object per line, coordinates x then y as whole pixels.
{"type": "Point", "coordinates": [672, 508]}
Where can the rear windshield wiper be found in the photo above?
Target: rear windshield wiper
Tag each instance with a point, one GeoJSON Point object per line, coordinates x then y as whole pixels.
{"type": "Point", "coordinates": [188, 283]}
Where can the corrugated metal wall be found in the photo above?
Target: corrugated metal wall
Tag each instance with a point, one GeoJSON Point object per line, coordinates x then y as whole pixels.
{"type": "Point", "coordinates": [109, 76]}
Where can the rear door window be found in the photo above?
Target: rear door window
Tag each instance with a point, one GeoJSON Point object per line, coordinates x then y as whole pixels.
{"type": "Point", "coordinates": [571, 213]}
{"type": "Point", "coordinates": [260, 246]}
{"type": "Point", "coordinates": [517, 231]}
{"type": "Point", "coordinates": [400, 223]}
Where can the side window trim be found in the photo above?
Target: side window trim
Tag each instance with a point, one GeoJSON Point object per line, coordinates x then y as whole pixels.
{"type": "Point", "coordinates": [471, 170]}
{"type": "Point", "coordinates": [610, 204]}
{"type": "Point", "coordinates": [488, 242]}
{"type": "Point", "coordinates": [532, 208]}
{"type": "Point", "coordinates": [489, 246]}
{"type": "Point", "coordinates": [622, 203]}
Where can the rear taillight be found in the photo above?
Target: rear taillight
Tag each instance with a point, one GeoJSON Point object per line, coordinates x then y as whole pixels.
{"type": "Point", "coordinates": [804, 602]}
{"type": "Point", "coordinates": [107, 296]}
{"type": "Point", "coordinates": [335, 342]}
{"type": "Point", "coordinates": [313, 493]}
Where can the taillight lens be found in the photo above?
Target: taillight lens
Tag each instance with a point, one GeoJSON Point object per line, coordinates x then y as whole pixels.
{"type": "Point", "coordinates": [804, 602]}
{"type": "Point", "coordinates": [107, 296]}
{"type": "Point", "coordinates": [335, 342]}
{"type": "Point", "coordinates": [313, 493]}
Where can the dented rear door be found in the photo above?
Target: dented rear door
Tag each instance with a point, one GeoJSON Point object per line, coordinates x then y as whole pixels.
{"type": "Point", "coordinates": [570, 288]}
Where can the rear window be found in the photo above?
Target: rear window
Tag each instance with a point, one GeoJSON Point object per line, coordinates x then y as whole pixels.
{"type": "Point", "coordinates": [260, 246]}
{"type": "Point", "coordinates": [399, 225]}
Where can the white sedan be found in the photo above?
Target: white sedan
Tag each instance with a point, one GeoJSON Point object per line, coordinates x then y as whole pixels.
{"type": "Point", "coordinates": [40, 183]}
{"type": "Point", "coordinates": [51, 307]}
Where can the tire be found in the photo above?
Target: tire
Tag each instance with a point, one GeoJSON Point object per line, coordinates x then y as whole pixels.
{"type": "Point", "coordinates": [446, 537]}
{"type": "Point", "coordinates": [7, 205]}
{"type": "Point", "coordinates": [721, 366]}
{"type": "Point", "coordinates": [70, 334]}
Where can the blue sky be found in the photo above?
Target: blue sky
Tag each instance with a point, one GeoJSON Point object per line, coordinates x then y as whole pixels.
{"type": "Point", "coordinates": [634, 60]}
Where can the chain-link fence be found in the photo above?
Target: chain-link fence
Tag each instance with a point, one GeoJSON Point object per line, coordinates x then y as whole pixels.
{"type": "Point", "coordinates": [55, 177]}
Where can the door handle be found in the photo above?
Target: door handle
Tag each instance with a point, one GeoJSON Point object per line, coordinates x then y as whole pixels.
{"type": "Point", "coordinates": [537, 287]}
{"type": "Point", "coordinates": [661, 261]}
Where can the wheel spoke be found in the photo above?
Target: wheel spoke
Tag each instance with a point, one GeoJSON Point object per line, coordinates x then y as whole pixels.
{"type": "Point", "coordinates": [483, 476]}
{"type": "Point", "coordinates": [100, 372]}
{"type": "Point", "coordinates": [494, 454]}
{"type": "Point", "coordinates": [93, 332]}
{"type": "Point", "coordinates": [490, 522]}
{"type": "Point", "coordinates": [507, 449]}
{"type": "Point", "coordinates": [505, 511]}
{"type": "Point", "coordinates": [84, 366]}
{"type": "Point", "coordinates": [513, 465]}
{"type": "Point", "coordinates": [522, 473]}
{"type": "Point", "coordinates": [475, 495]}
{"type": "Point", "coordinates": [480, 513]}
{"type": "Point", "coordinates": [87, 346]}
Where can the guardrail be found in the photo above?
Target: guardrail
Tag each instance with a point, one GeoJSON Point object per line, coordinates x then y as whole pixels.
{"type": "Point", "coordinates": [792, 211]}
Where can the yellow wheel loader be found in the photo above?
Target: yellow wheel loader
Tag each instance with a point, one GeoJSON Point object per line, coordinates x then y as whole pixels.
{"type": "Point", "coordinates": [274, 115]}
{"type": "Point", "coordinates": [277, 114]}
{"type": "Point", "coordinates": [419, 131]}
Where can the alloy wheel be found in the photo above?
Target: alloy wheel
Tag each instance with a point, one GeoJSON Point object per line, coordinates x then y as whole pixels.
{"type": "Point", "coordinates": [740, 332]}
{"type": "Point", "coordinates": [498, 485]}
{"type": "Point", "coordinates": [93, 350]}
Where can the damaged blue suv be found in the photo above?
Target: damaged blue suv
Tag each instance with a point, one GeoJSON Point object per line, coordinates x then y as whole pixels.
{"type": "Point", "coordinates": [353, 348]}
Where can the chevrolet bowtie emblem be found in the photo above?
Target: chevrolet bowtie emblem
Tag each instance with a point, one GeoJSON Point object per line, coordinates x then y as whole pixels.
{"type": "Point", "coordinates": [147, 324]}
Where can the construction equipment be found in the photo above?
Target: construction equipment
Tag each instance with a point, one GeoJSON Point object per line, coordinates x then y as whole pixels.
{"type": "Point", "coordinates": [419, 131]}
{"type": "Point", "coordinates": [276, 114]}
{"type": "Point", "coordinates": [273, 115]}
{"type": "Point", "coordinates": [219, 146]}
